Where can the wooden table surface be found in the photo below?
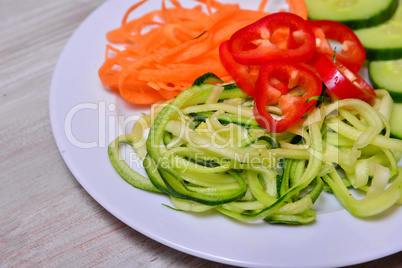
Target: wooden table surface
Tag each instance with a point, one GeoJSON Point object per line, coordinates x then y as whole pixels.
{"type": "Point", "coordinates": [46, 218]}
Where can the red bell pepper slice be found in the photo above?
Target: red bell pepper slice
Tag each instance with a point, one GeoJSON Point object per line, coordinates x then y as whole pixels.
{"type": "Point", "coordinates": [255, 44]}
{"type": "Point", "coordinates": [290, 86]}
{"type": "Point", "coordinates": [352, 54]}
{"type": "Point", "coordinates": [244, 76]}
{"type": "Point", "coordinates": [342, 82]}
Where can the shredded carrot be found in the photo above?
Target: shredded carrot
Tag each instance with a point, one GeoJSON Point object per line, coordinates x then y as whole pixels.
{"type": "Point", "coordinates": [166, 50]}
{"type": "Point", "coordinates": [298, 7]}
{"type": "Point", "coordinates": [262, 5]}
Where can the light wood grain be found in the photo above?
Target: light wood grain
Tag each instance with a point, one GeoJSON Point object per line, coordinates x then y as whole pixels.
{"type": "Point", "coordinates": [46, 218]}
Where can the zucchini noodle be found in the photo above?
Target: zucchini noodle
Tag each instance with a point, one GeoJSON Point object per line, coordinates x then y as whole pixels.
{"type": "Point", "coordinates": [206, 152]}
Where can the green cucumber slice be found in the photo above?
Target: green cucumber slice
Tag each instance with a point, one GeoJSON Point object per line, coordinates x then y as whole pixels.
{"type": "Point", "coordinates": [226, 119]}
{"type": "Point", "coordinates": [383, 42]}
{"type": "Point", "coordinates": [124, 170]}
{"type": "Point", "coordinates": [354, 13]}
{"type": "Point", "coordinates": [396, 121]}
{"type": "Point", "coordinates": [208, 78]}
{"type": "Point", "coordinates": [387, 75]}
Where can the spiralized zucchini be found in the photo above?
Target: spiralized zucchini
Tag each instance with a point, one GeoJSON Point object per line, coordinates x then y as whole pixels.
{"type": "Point", "coordinates": [206, 151]}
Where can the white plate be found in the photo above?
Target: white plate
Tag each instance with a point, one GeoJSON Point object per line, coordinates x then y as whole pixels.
{"type": "Point", "coordinates": [84, 116]}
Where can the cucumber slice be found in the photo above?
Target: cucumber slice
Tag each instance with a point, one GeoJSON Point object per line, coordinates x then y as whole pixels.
{"type": "Point", "coordinates": [383, 42]}
{"type": "Point", "coordinates": [208, 78]}
{"type": "Point", "coordinates": [227, 118]}
{"type": "Point", "coordinates": [396, 121]}
{"type": "Point", "coordinates": [387, 75]}
{"type": "Point", "coordinates": [354, 13]}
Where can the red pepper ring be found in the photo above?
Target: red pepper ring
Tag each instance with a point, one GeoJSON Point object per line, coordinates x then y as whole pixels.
{"type": "Point", "coordinates": [254, 44]}
{"type": "Point", "coordinates": [342, 82]}
{"type": "Point", "coordinates": [244, 76]}
{"type": "Point", "coordinates": [290, 86]}
{"type": "Point", "coordinates": [352, 54]}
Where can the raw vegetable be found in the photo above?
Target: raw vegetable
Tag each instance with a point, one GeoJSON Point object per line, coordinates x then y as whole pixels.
{"type": "Point", "coordinates": [245, 76]}
{"type": "Point", "coordinates": [351, 54]}
{"type": "Point", "coordinates": [354, 13]}
{"type": "Point", "coordinates": [383, 42]}
{"type": "Point", "coordinates": [342, 82]}
{"type": "Point", "coordinates": [166, 49]}
{"type": "Point", "coordinates": [257, 43]}
{"type": "Point", "coordinates": [289, 39]}
{"type": "Point", "coordinates": [214, 147]}
{"type": "Point", "coordinates": [289, 86]}
{"type": "Point", "coordinates": [208, 78]}
{"type": "Point", "coordinates": [387, 75]}
{"type": "Point", "coordinates": [396, 121]}
{"type": "Point", "coordinates": [237, 171]}
{"type": "Point", "coordinates": [298, 7]}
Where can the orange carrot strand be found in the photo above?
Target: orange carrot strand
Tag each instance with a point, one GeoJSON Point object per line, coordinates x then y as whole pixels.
{"type": "Point", "coordinates": [298, 7]}
{"type": "Point", "coordinates": [168, 48]}
{"type": "Point", "coordinates": [262, 5]}
{"type": "Point", "coordinates": [131, 9]}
